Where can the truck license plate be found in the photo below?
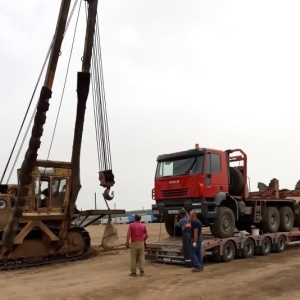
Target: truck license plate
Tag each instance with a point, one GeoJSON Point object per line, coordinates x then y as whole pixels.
{"type": "Point", "coordinates": [173, 211]}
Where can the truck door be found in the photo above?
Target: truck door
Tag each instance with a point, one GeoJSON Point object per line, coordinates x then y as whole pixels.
{"type": "Point", "coordinates": [214, 177]}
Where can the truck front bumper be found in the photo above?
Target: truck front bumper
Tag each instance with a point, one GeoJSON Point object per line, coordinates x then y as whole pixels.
{"type": "Point", "coordinates": [205, 210]}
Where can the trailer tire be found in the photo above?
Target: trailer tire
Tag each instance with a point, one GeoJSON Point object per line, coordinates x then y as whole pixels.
{"type": "Point", "coordinates": [286, 217]}
{"type": "Point", "coordinates": [271, 220]}
{"type": "Point", "coordinates": [236, 181]}
{"type": "Point", "coordinates": [280, 245]}
{"type": "Point", "coordinates": [249, 248]}
{"type": "Point", "coordinates": [171, 229]}
{"type": "Point", "coordinates": [224, 223]}
{"type": "Point", "coordinates": [266, 246]}
{"type": "Point", "coordinates": [228, 251]}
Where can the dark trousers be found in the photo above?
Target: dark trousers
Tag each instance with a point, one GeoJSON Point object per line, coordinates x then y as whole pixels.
{"type": "Point", "coordinates": [186, 245]}
{"type": "Point", "coordinates": [196, 254]}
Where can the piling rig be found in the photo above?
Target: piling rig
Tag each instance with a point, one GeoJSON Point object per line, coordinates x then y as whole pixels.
{"type": "Point", "coordinates": [36, 214]}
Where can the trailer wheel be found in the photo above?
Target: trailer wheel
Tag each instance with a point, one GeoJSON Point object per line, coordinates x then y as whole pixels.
{"type": "Point", "coordinates": [249, 248]}
{"type": "Point", "coordinates": [286, 217]}
{"type": "Point", "coordinates": [236, 181]}
{"type": "Point", "coordinates": [266, 246]}
{"type": "Point", "coordinates": [224, 223]}
{"type": "Point", "coordinates": [271, 220]}
{"type": "Point", "coordinates": [228, 251]}
{"type": "Point", "coordinates": [280, 245]}
{"type": "Point", "coordinates": [171, 229]}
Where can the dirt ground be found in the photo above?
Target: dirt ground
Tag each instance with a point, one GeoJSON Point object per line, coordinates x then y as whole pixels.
{"type": "Point", "coordinates": [276, 276]}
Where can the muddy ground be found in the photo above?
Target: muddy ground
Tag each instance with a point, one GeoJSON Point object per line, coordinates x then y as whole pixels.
{"type": "Point", "coordinates": [105, 276]}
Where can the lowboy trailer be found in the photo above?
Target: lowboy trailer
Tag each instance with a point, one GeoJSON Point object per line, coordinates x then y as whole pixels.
{"type": "Point", "coordinates": [169, 250]}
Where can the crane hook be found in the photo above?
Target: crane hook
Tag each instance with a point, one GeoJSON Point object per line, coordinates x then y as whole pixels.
{"type": "Point", "coordinates": [107, 196]}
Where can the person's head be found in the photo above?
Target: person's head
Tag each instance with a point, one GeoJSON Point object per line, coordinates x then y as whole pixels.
{"type": "Point", "coordinates": [193, 215]}
{"type": "Point", "coordinates": [182, 213]}
{"type": "Point", "coordinates": [137, 218]}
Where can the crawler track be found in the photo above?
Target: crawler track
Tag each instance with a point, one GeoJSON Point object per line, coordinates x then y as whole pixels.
{"type": "Point", "coordinates": [8, 265]}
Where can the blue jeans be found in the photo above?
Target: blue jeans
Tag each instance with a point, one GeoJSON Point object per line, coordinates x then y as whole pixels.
{"type": "Point", "coordinates": [196, 255]}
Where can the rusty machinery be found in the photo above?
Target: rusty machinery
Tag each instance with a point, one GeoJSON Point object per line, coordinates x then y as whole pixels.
{"type": "Point", "coordinates": [36, 215]}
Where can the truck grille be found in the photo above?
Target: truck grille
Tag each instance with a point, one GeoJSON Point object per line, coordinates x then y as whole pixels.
{"type": "Point", "coordinates": [175, 192]}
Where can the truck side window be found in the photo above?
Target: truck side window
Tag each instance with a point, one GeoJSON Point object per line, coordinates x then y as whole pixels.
{"type": "Point", "coordinates": [207, 165]}
{"type": "Point", "coordinates": [215, 160]}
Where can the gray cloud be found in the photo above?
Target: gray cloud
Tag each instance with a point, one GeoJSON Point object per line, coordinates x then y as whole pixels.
{"type": "Point", "coordinates": [223, 74]}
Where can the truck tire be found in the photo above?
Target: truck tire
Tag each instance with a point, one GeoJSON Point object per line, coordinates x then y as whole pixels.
{"type": "Point", "coordinates": [236, 181]}
{"type": "Point", "coordinates": [228, 251]}
{"type": "Point", "coordinates": [249, 248]}
{"type": "Point", "coordinates": [286, 217]}
{"type": "Point", "coordinates": [224, 223]}
{"type": "Point", "coordinates": [271, 220]}
{"type": "Point", "coordinates": [171, 229]}
{"type": "Point", "coordinates": [266, 246]}
{"type": "Point", "coordinates": [280, 245]}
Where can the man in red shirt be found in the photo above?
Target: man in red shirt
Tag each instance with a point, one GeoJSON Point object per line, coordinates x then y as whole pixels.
{"type": "Point", "coordinates": [137, 232]}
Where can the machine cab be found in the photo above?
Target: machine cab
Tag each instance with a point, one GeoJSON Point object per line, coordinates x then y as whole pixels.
{"type": "Point", "coordinates": [49, 188]}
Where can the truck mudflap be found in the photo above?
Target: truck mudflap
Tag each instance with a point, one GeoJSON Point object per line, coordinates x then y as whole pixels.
{"type": "Point", "coordinates": [169, 250]}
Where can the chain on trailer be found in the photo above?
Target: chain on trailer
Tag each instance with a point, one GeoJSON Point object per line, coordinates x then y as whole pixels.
{"type": "Point", "coordinates": [154, 262]}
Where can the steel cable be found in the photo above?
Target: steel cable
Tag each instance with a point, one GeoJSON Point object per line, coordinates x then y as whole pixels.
{"type": "Point", "coordinates": [29, 105]}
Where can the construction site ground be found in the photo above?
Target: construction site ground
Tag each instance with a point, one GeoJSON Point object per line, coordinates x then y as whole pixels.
{"type": "Point", "coordinates": [105, 276]}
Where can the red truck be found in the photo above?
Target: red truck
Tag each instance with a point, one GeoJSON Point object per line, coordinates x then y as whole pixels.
{"type": "Point", "coordinates": [214, 184]}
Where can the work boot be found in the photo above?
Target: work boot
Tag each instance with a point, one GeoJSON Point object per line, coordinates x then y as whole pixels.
{"type": "Point", "coordinates": [197, 269]}
{"type": "Point", "coordinates": [133, 274]}
{"type": "Point", "coordinates": [142, 273]}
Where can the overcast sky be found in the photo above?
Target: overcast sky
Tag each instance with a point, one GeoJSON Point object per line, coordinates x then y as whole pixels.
{"type": "Point", "coordinates": [224, 74]}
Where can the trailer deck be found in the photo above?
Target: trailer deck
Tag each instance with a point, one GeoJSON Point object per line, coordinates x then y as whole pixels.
{"type": "Point", "coordinates": [169, 250]}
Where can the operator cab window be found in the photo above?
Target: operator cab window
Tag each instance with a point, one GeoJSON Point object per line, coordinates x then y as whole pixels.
{"type": "Point", "coordinates": [42, 190]}
{"type": "Point", "coordinates": [59, 186]}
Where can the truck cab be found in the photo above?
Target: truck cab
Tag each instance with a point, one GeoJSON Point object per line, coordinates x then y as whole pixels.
{"type": "Point", "coordinates": [199, 179]}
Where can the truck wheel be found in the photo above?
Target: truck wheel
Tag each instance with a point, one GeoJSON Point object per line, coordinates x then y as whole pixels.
{"type": "Point", "coordinates": [224, 224]}
{"type": "Point", "coordinates": [271, 220]}
{"type": "Point", "coordinates": [266, 246]}
{"type": "Point", "coordinates": [249, 248]}
{"type": "Point", "coordinates": [286, 217]}
{"type": "Point", "coordinates": [236, 181]}
{"type": "Point", "coordinates": [280, 245]}
{"type": "Point", "coordinates": [171, 229]}
{"type": "Point", "coordinates": [228, 251]}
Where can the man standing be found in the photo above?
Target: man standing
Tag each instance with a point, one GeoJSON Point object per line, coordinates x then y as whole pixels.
{"type": "Point", "coordinates": [185, 224]}
{"type": "Point", "coordinates": [137, 232]}
{"type": "Point", "coordinates": [195, 248]}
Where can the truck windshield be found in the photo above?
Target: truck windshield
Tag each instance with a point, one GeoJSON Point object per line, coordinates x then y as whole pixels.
{"type": "Point", "coordinates": [186, 166]}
